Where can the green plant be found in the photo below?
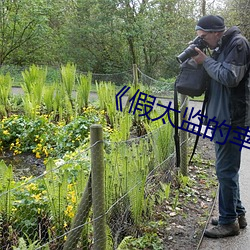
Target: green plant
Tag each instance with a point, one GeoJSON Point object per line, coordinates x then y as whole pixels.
{"type": "Point", "coordinates": [68, 74]}
{"type": "Point", "coordinates": [126, 172]}
{"type": "Point", "coordinates": [176, 199]}
{"type": "Point", "coordinates": [184, 181]}
{"type": "Point", "coordinates": [48, 98]}
{"type": "Point", "coordinates": [147, 241]}
{"type": "Point", "coordinates": [164, 192]}
{"type": "Point", "coordinates": [134, 95]}
{"type": "Point", "coordinates": [56, 187]}
{"type": "Point", "coordinates": [64, 183]}
{"type": "Point", "coordinates": [34, 81]}
{"type": "Point", "coordinates": [30, 207]}
{"type": "Point", "coordinates": [5, 90]}
{"type": "Point", "coordinates": [28, 244]}
{"type": "Point", "coordinates": [161, 136]}
{"type": "Point", "coordinates": [121, 127]}
{"type": "Point", "coordinates": [44, 137]}
{"type": "Point", "coordinates": [6, 184]}
{"type": "Point", "coordinates": [83, 91]}
{"type": "Point", "coordinates": [106, 93]}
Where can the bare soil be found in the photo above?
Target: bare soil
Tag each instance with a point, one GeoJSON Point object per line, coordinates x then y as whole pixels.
{"type": "Point", "coordinates": [187, 222]}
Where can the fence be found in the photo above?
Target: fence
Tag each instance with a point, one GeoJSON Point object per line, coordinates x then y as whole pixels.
{"type": "Point", "coordinates": [95, 202]}
{"type": "Point", "coordinates": [132, 181]}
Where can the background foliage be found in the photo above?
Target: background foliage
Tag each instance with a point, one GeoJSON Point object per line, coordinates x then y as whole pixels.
{"type": "Point", "coordinates": [106, 36]}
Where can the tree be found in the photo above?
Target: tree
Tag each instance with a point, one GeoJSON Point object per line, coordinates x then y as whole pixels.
{"type": "Point", "coordinates": [237, 12]}
{"type": "Point", "coordinates": [21, 21]}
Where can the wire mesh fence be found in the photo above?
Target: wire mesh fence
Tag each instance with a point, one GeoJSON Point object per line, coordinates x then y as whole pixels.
{"type": "Point", "coordinates": [56, 209]}
{"type": "Point", "coordinates": [161, 87]}
{"type": "Point", "coordinates": [46, 210]}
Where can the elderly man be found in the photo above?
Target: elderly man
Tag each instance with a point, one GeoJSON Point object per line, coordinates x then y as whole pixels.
{"type": "Point", "coordinates": [229, 103]}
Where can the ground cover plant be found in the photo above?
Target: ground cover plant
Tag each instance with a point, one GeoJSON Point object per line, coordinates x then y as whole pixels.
{"type": "Point", "coordinates": [144, 192]}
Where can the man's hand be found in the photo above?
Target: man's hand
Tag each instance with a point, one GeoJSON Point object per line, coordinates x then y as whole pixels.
{"type": "Point", "coordinates": [200, 58]}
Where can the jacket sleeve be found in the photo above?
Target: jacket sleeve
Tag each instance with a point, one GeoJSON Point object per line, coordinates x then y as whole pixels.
{"type": "Point", "coordinates": [234, 66]}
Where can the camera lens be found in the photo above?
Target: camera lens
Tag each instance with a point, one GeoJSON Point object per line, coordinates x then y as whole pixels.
{"type": "Point", "coordinates": [187, 53]}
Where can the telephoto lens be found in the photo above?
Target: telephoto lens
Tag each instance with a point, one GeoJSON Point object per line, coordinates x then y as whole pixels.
{"type": "Point", "coordinates": [190, 50]}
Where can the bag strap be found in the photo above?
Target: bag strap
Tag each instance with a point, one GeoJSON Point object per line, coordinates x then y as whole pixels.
{"type": "Point", "coordinates": [176, 123]}
{"type": "Point", "coordinates": [200, 126]}
{"type": "Point", "coordinates": [202, 113]}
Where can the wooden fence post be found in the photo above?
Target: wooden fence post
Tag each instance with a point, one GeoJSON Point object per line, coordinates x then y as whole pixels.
{"type": "Point", "coordinates": [135, 75]}
{"type": "Point", "coordinates": [184, 138]}
{"type": "Point", "coordinates": [98, 195]}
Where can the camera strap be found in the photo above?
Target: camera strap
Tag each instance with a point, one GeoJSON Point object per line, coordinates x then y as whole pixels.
{"type": "Point", "coordinates": [176, 123]}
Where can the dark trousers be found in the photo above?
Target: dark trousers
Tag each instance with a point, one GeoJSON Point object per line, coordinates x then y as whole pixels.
{"type": "Point", "coordinates": [228, 157]}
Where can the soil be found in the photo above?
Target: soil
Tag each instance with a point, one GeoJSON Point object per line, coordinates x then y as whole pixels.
{"type": "Point", "coordinates": [187, 222]}
{"type": "Point", "coordinates": [25, 164]}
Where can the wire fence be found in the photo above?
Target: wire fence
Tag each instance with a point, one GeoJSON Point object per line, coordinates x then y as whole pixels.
{"type": "Point", "coordinates": [160, 87]}
{"type": "Point", "coordinates": [56, 210]}
{"type": "Point", "coordinates": [41, 211]}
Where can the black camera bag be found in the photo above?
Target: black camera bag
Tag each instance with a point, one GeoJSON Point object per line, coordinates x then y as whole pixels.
{"type": "Point", "coordinates": [192, 79]}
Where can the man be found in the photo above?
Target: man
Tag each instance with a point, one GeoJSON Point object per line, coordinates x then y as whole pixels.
{"type": "Point", "coordinates": [228, 112]}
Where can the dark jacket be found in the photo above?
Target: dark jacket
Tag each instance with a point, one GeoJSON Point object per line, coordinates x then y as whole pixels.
{"type": "Point", "coordinates": [229, 89]}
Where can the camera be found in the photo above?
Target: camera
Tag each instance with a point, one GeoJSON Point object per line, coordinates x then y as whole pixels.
{"type": "Point", "coordinates": [190, 51]}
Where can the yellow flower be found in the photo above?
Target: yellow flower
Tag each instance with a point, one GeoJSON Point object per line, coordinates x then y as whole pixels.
{"type": "Point", "coordinates": [38, 156]}
{"type": "Point", "coordinates": [69, 211]}
{"type": "Point", "coordinates": [6, 132]}
{"type": "Point", "coordinates": [73, 199]}
{"type": "Point", "coordinates": [16, 152]}
{"type": "Point", "coordinates": [45, 151]}
{"type": "Point", "coordinates": [37, 196]}
{"type": "Point", "coordinates": [31, 187]}
{"type": "Point", "coordinates": [14, 209]}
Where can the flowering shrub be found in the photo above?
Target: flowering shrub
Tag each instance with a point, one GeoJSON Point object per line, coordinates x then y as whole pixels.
{"type": "Point", "coordinates": [43, 137]}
